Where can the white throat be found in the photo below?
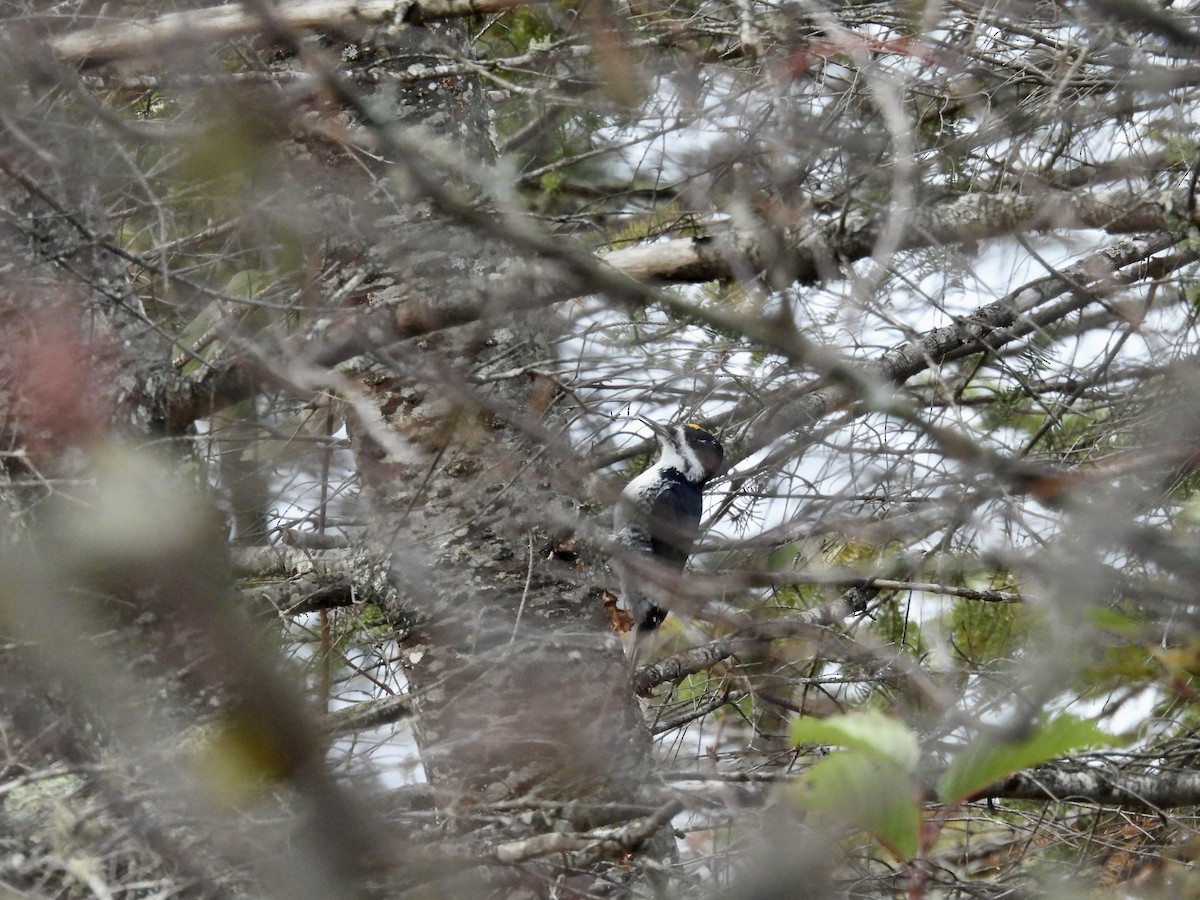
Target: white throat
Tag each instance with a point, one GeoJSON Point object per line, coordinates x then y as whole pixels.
{"type": "Point", "coordinates": [677, 454]}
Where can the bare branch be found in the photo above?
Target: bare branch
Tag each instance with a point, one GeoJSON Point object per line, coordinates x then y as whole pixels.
{"type": "Point", "coordinates": [151, 37]}
{"type": "Point", "coordinates": [586, 847]}
{"type": "Point", "coordinates": [1165, 788]}
{"type": "Point", "coordinates": [818, 250]}
{"type": "Point", "coordinates": [369, 714]}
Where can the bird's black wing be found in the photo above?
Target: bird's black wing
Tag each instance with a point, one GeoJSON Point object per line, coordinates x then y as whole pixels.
{"type": "Point", "coordinates": [674, 519]}
{"type": "Point", "coordinates": [660, 517]}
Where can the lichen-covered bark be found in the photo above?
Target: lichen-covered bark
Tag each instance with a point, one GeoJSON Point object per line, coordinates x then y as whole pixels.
{"type": "Point", "coordinates": [821, 248]}
{"type": "Point", "coordinates": [522, 692]}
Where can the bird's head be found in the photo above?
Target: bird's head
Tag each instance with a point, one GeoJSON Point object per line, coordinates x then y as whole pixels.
{"type": "Point", "coordinates": [691, 448]}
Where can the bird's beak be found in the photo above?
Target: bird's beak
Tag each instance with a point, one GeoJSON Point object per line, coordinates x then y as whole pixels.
{"type": "Point", "coordinates": [661, 431]}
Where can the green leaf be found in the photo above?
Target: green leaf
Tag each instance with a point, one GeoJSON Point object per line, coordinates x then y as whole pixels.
{"type": "Point", "coordinates": [551, 182]}
{"type": "Point", "coordinates": [247, 283]}
{"type": "Point", "coordinates": [783, 557]}
{"type": "Point", "coordinates": [1115, 621]}
{"type": "Point", "coordinates": [988, 759]}
{"type": "Point", "coordinates": [198, 339]}
{"type": "Point", "coordinates": [872, 733]}
{"type": "Point", "coordinates": [866, 792]}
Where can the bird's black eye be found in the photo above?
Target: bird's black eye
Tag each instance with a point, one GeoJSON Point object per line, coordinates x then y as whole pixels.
{"type": "Point", "coordinates": [706, 447]}
{"type": "Point", "coordinates": [701, 437]}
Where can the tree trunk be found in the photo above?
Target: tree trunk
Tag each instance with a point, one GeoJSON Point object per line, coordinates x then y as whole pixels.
{"type": "Point", "coordinates": [522, 690]}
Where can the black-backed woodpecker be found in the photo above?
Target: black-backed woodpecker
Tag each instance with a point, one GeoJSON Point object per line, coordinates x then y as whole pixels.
{"type": "Point", "coordinates": [658, 514]}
